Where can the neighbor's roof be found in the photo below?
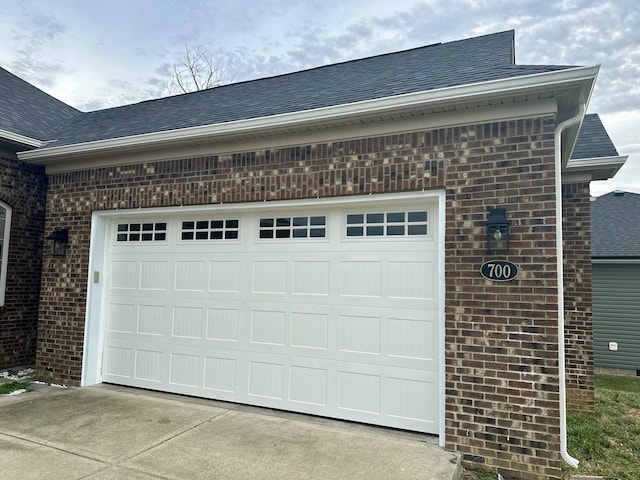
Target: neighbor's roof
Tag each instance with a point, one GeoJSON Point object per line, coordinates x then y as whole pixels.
{"type": "Point", "coordinates": [27, 111]}
{"type": "Point", "coordinates": [593, 140]}
{"type": "Point", "coordinates": [615, 231]}
{"type": "Point", "coordinates": [463, 62]}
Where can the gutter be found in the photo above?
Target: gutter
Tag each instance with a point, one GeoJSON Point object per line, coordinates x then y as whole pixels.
{"type": "Point", "coordinates": [573, 462]}
{"type": "Point", "coordinates": [336, 113]}
{"type": "Point", "coordinates": [21, 139]}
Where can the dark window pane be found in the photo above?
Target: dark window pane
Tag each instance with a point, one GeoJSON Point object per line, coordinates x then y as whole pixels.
{"type": "Point", "coordinates": [134, 227]}
{"type": "Point", "coordinates": [147, 237]}
{"type": "Point", "coordinates": [283, 222]}
{"type": "Point", "coordinates": [283, 233]}
{"type": "Point", "coordinates": [188, 225]}
{"type": "Point", "coordinates": [123, 227]}
{"type": "Point", "coordinates": [317, 232]}
{"type": "Point", "coordinates": [217, 235]}
{"type": "Point", "coordinates": [161, 236]}
{"type": "Point", "coordinates": [134, 237]}
{"type": "Point", "coordinates": [122, 237]}
{"type": "Point", "coordinates": [375, 218]}
{"type": "Point", "coordinates": [266, 233]}
{"type": "Point", "coordinates": [187, 235]}
{"type": "Point", "coordinates": [231, 234]}
{"type": "Point", "coordinates": [266, 222]}
{"type": "Point", "coordinates": [395, 217]}
{"type": "Point", "coordinates": [202, 224]}
{"type": "Point", "coordinates": [217, 224]}
{"type": "Point", "coordinates": [417, 216]}
{"type": "Point", "coordinates": [232, 223]}
{"type": "Point", "coordinates": [395, 230]}
{"type": "Point", "coordinates": [299, 233]}
{"type": "Point", "coordinates": [300, 221]}
{"type": "Point", "coordinates": [318, 220]}
{"type": "Point", "coordinates": [147, 227]}
{"type": "Point", "coordinates": [202, 235]}
{"type": "Point", "coordinates": [355, 231]}
{"type": "Point", "coordinates": [356, 218]}
{"type": "Point", "coordinates": [417, 229]}
{"type": "Point", "coordinates": [375, 231]}
{"type": "Point", "coordinates": [161, 226]}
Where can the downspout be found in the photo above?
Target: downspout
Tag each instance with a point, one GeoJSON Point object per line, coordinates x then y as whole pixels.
{"type": "Point", "coordinates": [561, 356]}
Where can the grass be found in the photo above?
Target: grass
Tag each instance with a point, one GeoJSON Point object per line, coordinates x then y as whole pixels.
{"type": "Point", "coordinates": [12, 387]}
{"type": "Point", "coordinates": [607, 443]}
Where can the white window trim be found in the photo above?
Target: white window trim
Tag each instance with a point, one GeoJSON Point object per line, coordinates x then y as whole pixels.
{"type": "Point", "coordinates": [5, 250]}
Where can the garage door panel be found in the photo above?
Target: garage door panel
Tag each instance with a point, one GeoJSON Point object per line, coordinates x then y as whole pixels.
{"type": "Point", "coordinates": [336, 326]}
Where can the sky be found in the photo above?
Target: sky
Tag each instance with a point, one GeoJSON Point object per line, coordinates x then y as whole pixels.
{"type": "Point", "coordinates": [96, 54]}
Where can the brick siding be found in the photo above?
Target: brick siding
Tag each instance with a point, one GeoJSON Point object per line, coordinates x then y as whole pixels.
{"type": "Point", "coordinates": [502, 399]}
{"type": "Point", "coordinates": [23, 187]}
{"type": "Point", "coordinates": [576, 231]}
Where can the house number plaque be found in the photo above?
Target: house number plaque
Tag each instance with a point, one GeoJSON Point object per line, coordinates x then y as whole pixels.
{"type": "Point", "coordinates": [499, 270]}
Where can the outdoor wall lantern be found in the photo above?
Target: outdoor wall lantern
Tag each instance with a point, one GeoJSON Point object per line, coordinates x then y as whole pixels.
{"type": "Point", "coordinates": [498, 231]}
{"type": "Point", "coordinates": [60, 239]}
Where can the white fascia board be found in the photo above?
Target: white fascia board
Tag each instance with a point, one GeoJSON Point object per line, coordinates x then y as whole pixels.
{"type": "Point", "coordinates": [21, 139]}
{"type": "Point", "coordinates": [379, 106]}
{"type": "Point", "coordinates": [606, 166]}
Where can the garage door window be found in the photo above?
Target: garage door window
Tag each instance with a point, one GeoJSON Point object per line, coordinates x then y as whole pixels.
{"type": "Point", "coordinates": [293, 227]}
{"type": "Point", "coordinates": [142, 232]}
{"type": "Point", "coordinates": [5, 223]}
{"type": "Point", "coordinates": [210, 230]}
{"type": "Point", "coordinates": [387, 224]}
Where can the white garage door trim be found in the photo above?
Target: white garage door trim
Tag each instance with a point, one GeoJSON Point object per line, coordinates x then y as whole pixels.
{"type": "Point", "coordinates": [94, 332]}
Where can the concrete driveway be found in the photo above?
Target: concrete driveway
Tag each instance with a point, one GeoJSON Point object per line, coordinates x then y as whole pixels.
{"type": "Point", "coordinates": [107, 432]}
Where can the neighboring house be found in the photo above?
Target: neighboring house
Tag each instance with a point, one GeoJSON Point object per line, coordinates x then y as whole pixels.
{"type": "Point", "coordinates": [616, 281]}
{"type": "Point", "coordinates": [28, 116]}
{"type": "Point", "coordinates": [314, 241]}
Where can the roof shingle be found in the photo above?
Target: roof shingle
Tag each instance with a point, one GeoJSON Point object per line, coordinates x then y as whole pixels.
{"type": "Point", "coordinates": [593, 140]}
{"type": "Point", "coordinates": [615, 231]}
{"type": "Point", "coordinates": [28, 111]}
{"type": "Point", "coordinates": [462, 62]}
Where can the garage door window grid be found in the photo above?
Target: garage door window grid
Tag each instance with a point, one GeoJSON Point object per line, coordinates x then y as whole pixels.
{"type": "Point", "coordinates": [210, 230]}
{"type": "Point", "coordinates": [389, 224]}
{"type": "Point", "coordinates": [142, 232]}
{"type": "Point", "coordinates": [293, 227]}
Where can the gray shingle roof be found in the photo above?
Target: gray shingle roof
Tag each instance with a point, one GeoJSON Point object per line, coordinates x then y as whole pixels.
{"type": "Point", "coordinates": [462, 62]}
{"type": "Point", "coordinates": [615, 229]}
{"type": "Point", "coordinates": [28, 111]}
{"type": "Point", "coordinates": [593, 140]}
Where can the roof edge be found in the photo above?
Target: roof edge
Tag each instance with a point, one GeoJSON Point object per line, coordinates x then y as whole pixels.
{"type": "Point", "coordinates": [20, 139]}
{"type": "Point", "coordinates": [344, 111]}
{"type": "Point", "coordinates": [601, 168]}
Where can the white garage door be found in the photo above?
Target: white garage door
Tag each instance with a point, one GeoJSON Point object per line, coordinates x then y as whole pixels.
{"type": "Point", "coordinates": [330, 311]}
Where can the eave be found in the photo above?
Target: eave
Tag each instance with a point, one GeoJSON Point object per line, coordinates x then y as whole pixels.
{"type": "Point", "coordinates": [18, 140]}
{"type": "Point", "coordinates": [600, 168]}
{"type": "Point", "coordinates": [568, 87]}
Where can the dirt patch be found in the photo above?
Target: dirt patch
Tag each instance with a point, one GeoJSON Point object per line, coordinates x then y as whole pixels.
{"type": "Point", "coordinates": [634, 413]}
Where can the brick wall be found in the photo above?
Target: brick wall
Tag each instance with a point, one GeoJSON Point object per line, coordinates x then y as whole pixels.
{"type": "Point", "coordinates": [502, 408]}
{"type": "Point", "coordinates": [576, 231]}
{"type": "Point", "coordinates": [23, 187]}
{"type": "Point", "coordinates": [502, 395]}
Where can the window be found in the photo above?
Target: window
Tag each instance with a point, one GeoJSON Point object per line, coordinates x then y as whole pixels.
{"type": "Point", "coordinates": [210, 230]}
{"type": "Point", "coordinates": [293, 227]}
{"type": "Point", "coordinates": [142, 232]}
{"type": "Point", "coordinates": [5, 224]}
{"type": "Point", "coordinates": [389, 224]}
